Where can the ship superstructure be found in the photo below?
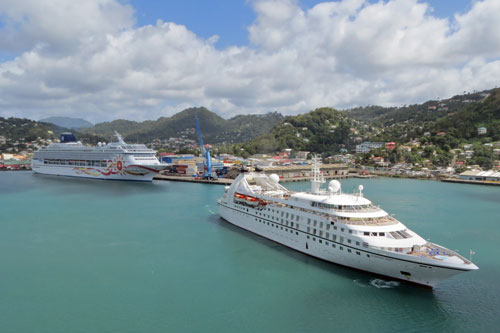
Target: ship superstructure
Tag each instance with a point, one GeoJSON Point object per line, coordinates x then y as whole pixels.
{"type": "Point", "coordinates": [115, 160]}
{"type": "Point", "coordinates": [345, 229]}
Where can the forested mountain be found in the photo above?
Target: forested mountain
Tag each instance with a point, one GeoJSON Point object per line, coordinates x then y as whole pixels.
{"type": "Point", "coordinates": [439, 126]}
{"type": "Point", "coordinates": [16, 129]}
{"type": "Point", "coordinates": [215, 128]}
{"type": "Point", "coordinates": [68, 122]}
{"type": "Point", "coordinates": [418, 113]}
{"type": "Point", "coordinates": [464, 123]}
{"type": "Point", "coordinates": [446, 124]}
{"type": "Point", "coordinates": [322, 130]}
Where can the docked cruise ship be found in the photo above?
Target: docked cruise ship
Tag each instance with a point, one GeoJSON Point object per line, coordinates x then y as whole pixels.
{"type": "Point", "coordinates": [345, 229]}
{"type": "Point", "coordinates": [114, 160]}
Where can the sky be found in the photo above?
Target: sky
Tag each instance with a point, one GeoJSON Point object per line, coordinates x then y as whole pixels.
{"type": "Point", "coordinates": [107, 59]}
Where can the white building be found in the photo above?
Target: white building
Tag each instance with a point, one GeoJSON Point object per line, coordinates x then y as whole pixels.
{"type": "Point", "coordinates": [302, 155]}
{"type": "Point", "coordinates": [489, 175]}
{"type": "Point", "coordinates": [482, 130]}
{"type": "Point", "coordinates": [368, 146]}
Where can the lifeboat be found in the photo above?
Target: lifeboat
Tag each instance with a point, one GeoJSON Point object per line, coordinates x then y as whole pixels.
{"type": "Point", "coordinates": [239, 197]}
{"type": "Point", "coordinates": [252, 201]}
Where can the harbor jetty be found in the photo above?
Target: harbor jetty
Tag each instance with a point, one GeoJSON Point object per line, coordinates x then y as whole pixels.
{"type": "Point", "coordinates": [293, 173]}
{"type": "Point", "coordinates": [468, 181]}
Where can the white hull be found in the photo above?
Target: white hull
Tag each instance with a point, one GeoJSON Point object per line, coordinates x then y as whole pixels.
{"type": "Point", "coordinates": [421, 271]}
{"type": "Point", "coordinates": [91, 172]}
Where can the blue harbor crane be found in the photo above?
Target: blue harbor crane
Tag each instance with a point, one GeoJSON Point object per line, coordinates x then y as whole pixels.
{"type": "Point", "coordinates": [205, 150]}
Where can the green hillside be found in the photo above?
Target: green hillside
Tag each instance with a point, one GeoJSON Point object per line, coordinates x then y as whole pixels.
{"type": "Point", "coordinates": [416, 113]}
{"type": "Point", "coordinates": [445, 124]}
{"type": "Point", "coordinates": [464, 123]}
{"type": "Point", "coordinates": [28, 130]}
{"type": "Point", "coordinates": [322, 130]}
{"type": "Point", "coordinates": [215, 128]}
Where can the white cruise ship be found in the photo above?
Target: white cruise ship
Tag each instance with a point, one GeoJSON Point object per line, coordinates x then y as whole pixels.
{"type": "Point", "coordinates": [345, 229]}
{"type": "Point", "coordinates": [115, 160]}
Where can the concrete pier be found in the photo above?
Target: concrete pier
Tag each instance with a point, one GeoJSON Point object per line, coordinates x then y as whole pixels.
{"type": "Point", "coordinates": [227, 181]}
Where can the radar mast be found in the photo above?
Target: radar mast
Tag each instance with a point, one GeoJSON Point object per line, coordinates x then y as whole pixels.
{"type": "Point", "coordinates": [317, 176]}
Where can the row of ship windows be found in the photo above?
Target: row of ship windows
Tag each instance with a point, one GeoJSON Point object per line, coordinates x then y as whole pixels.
{"type": "Point", "coordinates": [340, 239]}
{"type": "Point", "coordinates": [76, 162]}
{"type": "Point", "coordinates": [342, 218]}
{"type": "Point", "coordinates": [341, 248]}
{"type": "Point", "coordinates": [145, 158]}
{"type": "Point", "coordinates": [327, 235]}
{"type": "Point", "coordinates": [314, 238]}
{"type": "Point", "coordinates": [396, 234]}
{"type": "Point", "coordinates": [338, 207]}
{"type": "Point", "coordinates": [275, 225]}
{"type": "Point", "coordinates": [297, 218]}
{"type": "Point", "coordinates": [309, 221]}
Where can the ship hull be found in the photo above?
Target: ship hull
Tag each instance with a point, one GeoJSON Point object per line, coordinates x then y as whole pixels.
{"type": "Point", "coordinates": [135, 173]}
{"type": "Point", "coordinates": [364, 259]}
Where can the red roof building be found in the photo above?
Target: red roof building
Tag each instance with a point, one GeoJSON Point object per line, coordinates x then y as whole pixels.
{"type": "Point", "coordinates": [390, 145]}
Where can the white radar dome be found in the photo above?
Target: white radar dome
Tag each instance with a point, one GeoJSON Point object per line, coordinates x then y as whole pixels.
{"type": "Point", "coordinates": [274, 178]}
{"type": "Point", "coordinates": [334, 186]}
{"type": "Point", "coordinates": [360, 188]}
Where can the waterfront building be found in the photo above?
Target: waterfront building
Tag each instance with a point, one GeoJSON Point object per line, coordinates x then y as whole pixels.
{"type": "Point", "coordinates": [489, 175]}
{"type": "Point", "coordinates": [368, 146]}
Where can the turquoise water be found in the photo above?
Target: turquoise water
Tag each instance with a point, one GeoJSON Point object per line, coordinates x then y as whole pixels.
{"type": "Point", "coordinates": [100, 256]}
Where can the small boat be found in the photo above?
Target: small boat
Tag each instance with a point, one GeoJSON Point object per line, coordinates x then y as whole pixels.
{"type": "Point", "coordinates": [252, 201]}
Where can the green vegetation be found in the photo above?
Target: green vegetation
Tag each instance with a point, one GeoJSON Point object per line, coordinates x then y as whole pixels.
{"type": "Point", "coordinates": [435, 133]}
{"type": "Point", "coordinates": [322, 130]}
{"type": "Point", "coordinates": [215, 128]}
{"type": "Point", "coordinates": [25, 129]}
{"type": "Point", "coordinates": [439, 127]}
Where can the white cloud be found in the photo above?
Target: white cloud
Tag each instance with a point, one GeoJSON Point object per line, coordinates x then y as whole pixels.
{"type": "Point", "coordinates": [87, 59]}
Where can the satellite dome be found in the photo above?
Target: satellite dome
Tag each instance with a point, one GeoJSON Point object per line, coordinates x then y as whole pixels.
{"type": "Point", "coordinates": [334, 186]}
{"type": "Point", "coordinates": [360, 188]}
{"type": "Point", "coordinates": [274, 178]}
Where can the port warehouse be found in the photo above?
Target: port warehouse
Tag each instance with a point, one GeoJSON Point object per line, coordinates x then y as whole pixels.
{"type": "Point", "coordinates": [480, 175]}
{"type": "Point", "coordinates": [188, 164]}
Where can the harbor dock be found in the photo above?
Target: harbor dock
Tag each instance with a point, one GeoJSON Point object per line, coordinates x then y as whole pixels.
{"type": "Point", "coordinates": [468, 181]}
{"type": "Point", "coordinates": [228, 181]}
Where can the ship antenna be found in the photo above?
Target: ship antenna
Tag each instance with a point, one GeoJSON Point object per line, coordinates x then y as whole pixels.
{"type": "Point", "coordinates": [317, 176]}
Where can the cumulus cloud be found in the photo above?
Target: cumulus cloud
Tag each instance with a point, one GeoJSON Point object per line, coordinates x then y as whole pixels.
{"type": "Point", "coordinates": [91, 61]}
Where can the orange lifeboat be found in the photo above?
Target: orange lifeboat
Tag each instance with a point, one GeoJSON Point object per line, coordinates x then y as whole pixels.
{"type": "Point", "coordinates": [252, 201]}
{"type": "Point", "coordinates": [239, 197]}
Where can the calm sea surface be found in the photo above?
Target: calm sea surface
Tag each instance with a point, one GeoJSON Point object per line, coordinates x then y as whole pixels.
{"type": "Point", "coordinates": [101, 256]}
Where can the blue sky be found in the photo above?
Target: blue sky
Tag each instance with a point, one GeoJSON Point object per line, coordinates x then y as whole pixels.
{"type": "Point", "coordinates": [230, 18]}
